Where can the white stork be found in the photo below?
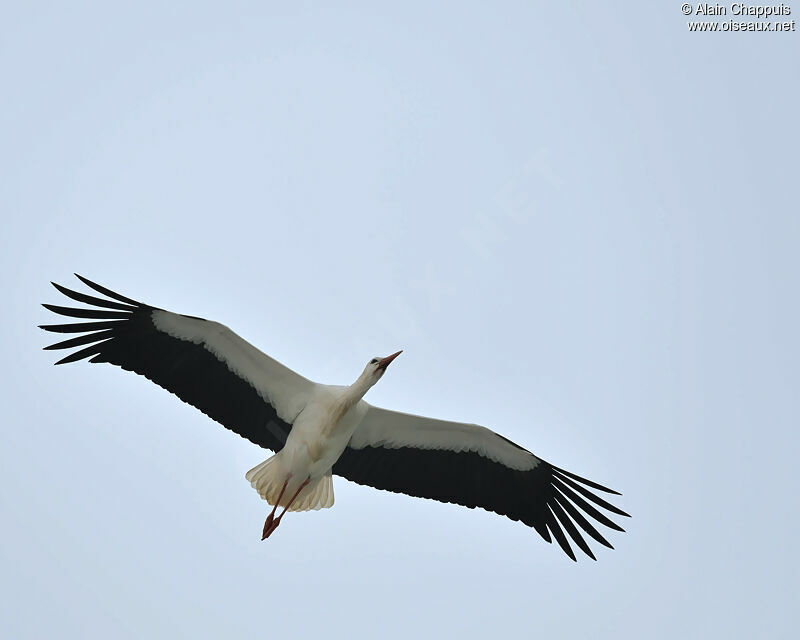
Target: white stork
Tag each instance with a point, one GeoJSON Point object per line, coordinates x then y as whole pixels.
{"type": "Point", "coordinates": [317, 430]}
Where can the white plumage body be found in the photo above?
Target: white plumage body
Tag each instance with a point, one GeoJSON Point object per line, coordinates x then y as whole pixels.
{"type": "Point", "coordinates": [319, 435]}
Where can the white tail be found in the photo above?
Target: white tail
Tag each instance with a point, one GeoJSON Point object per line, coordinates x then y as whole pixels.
{"type": "Point", "coordinates": [267, 478]}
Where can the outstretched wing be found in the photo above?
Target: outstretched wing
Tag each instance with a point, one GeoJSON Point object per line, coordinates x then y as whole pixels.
{"type": "Point", "coordinates": [204, 363]}
{"type": "Point", "coordinates": [473, 466]}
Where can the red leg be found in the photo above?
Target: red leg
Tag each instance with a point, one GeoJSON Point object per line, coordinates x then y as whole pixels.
{"type": "Point", "coordinates": [268, 522]}
{"type": "Point", "coordinates": [277, 521]}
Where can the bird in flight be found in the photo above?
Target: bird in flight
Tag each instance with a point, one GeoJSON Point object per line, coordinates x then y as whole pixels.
{"type": "Point", "coordinates": [318, 430]}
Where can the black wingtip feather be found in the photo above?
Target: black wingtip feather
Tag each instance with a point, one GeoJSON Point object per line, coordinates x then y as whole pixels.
{"type": "Point", "coordinates": [573, 532]}
{"type": "Point", "coordinates": [558, 534]}
{"type": "Point", "coordinates": [80, 340]}
{"type": "Point", "coordinates": [81, 327]}
{"type": "Point", "coordinates": [588, 483]}
{"type": "Point", "coordinates": [99, 302]}
{"type": "Point", "coordinates": [582, 522]}
{"type": "Point", "coordinates": [588, 508]}
{"type": "Point", "coordinates": [589, 495]}
{"type": "Point", "coordinates": [108, 292]}
{"type": "Point", "coordinates": [541, 529]}
{"type": "Point", "coordinates": [83, 353]}
{"type": "Point", "coordinates": [72, 312]}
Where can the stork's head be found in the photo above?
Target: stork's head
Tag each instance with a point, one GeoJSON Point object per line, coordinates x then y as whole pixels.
{"type": "Point", "coordinates": [376, 367]}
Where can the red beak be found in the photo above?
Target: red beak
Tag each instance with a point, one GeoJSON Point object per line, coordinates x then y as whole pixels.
{"type": "Point", "coordinates": [388, 359]}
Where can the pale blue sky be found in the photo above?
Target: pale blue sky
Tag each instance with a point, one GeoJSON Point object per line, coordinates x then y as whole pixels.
{"type": "Point", "coordinates": [578, 221]}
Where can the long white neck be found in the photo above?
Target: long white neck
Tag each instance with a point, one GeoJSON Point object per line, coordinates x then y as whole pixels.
{"type": "Point", "coordinates": [356, 391]}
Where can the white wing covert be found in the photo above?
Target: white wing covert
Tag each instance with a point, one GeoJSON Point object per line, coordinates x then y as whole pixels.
{"type": "Point", "coordinates": [394, 429]}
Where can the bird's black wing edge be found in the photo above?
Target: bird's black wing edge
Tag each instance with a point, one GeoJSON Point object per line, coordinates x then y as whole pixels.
{"type": "Point", "coordinates": [556, 503]}
{"type": "Point", "coordinates": [120, 331]}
